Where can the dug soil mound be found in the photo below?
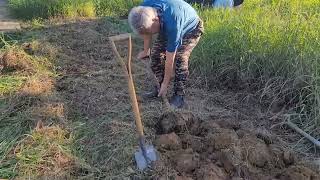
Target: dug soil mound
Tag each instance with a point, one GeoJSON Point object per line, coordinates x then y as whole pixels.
{"type": "Point", "coordinates": [220, 150]}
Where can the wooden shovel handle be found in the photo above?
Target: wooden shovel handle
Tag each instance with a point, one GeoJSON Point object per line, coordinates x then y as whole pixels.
{"type": "Point", "coordinates": [128, 75]}
{"type": "Point", "coordinates": [120, 37]}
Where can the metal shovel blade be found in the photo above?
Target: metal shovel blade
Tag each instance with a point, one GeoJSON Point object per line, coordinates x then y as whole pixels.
{"type": "Point", "coordinates": [141, 160]}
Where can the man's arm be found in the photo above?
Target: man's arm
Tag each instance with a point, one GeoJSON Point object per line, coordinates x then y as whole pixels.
{"type": "Point", "coordinates": [147, 38]}
{"type": "Point", "coordinates": [169, 67]}
{"type": "Point", "coordinates": [168, 72]}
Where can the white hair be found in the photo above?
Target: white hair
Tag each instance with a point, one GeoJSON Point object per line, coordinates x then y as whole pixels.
{"type": "Point", "coordinates": [141, 18]}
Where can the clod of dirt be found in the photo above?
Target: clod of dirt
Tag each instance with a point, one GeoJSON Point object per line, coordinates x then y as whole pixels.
{"type": "Point", "coordinates": [175, 122]}
{"type": "Point", "coordinates": [288, 158]}
{"type": "Point", "coordinates": [208, 127]}
{"type": "Point", "coordinates": [277, 156]}
{"type": "Point", "coordinates": [27, 47]}
{"type": "Point", "coordinates": [229, 124]}
{"type": "Point", "coordinates": [15, 60]}
{"type": "Point", "coordinates": [298, 173]}
{"type": "Point", "coordinates": [243, 171]}
{"type": "Point", "coordinates": [194, 142]}
{"type": "Point", "coordinates": [265, 135]}
{"type": "Point", "coordinates": [230, 158]}
{"type": "Point", "coordinates": [255, 151]}
{"type": "Point", "coordinates": [211, 172]}
{"type": "Point", "coordinates": [226, 162]}
{"type": "Point", "coordinates": [242, 133]}
{"type": "Point", "coordinates": [195, 128]}
{"type": "Point", "coordinates": [186, 161]}
{"type": "Point", "coordinates": [169, 141]}
{"type": "Point", "coordinates": [222, 138]}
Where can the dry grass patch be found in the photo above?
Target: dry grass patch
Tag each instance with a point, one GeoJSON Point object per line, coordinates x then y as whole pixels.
{"type": "Point", "coordinates": [45, 152]}
{"type": "Point", "coordinates": [38, 86]}
{"type": "Point", "coordinates": [15, 59]}
{"type": "Point", "coordinates": [50, 111]}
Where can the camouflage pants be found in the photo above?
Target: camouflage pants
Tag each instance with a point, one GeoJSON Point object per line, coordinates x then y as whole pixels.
{"type": "Point", "coordinates": [158, 57]}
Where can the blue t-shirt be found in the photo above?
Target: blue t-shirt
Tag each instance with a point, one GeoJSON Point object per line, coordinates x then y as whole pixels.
{"type": "Point", "coordinates": [177, 19]}
{"type": "Point", "coordinates": [222, 3]}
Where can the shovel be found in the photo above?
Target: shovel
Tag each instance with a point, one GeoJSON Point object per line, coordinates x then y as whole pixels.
{"type": "Point", "coordinates": [146, 154]}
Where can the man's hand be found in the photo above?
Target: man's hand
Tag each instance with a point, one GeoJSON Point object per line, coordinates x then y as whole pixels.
{"type": "Point", "coordinates": [143, 54]}
{"type": "Point", "coordinates": [147, 38]}
{"type": "Point", "coordinates": [163, 90]}
{"type": "Point", "coordinates": [167, 73]}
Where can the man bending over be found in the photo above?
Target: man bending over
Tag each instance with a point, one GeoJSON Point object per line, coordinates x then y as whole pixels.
{"type": "Point", "coordinates": [179, 29]}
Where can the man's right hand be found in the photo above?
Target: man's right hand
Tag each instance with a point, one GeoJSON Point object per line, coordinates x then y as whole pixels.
{"type": "Point", "coordinates": [143, 54]}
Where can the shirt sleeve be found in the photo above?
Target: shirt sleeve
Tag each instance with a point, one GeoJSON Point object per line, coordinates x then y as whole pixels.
{"type": "Point", "coordinates": [174, 33]}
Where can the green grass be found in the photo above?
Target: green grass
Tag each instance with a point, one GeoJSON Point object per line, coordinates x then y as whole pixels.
{"type": "Point", "coordinates": [8, 84]}
{"type": "Point", "coordinates": [114, 7]}
{"type": "Point", "coordinates": [270, 46]}
{"type": "Point", "coordinates": [45, 151]}
{"type": "Point", "coordinates": [30, 9]}
{"type": "Point", "coordinates": [12, 129]}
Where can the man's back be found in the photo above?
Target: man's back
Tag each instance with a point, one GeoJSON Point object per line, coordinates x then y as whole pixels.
{"type": "Point", "coordinates": [178, 18]}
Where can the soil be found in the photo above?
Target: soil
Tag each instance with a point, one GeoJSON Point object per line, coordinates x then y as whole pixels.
{"type": "Point", "coordinates": [168, 141]}
{"type": "Point", "coordinates": [220, 153]}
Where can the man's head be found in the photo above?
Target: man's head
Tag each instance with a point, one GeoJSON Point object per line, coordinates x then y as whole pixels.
{"type": "Point", "coordinates": [144, 20]}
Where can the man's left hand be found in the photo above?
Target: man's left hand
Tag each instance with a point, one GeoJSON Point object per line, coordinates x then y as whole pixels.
{"type": "Point", "coordinates": [163, 90]}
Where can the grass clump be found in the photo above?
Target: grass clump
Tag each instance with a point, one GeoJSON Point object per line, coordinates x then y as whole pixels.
{"type": "Point", "coordinates": [12, 128]}
{"type": "Point", "coordinates": [16, 66]}
{"type": "Point", "coordinates": [46, 151]}
{"type": "Point", "coordinates": [8, 84]}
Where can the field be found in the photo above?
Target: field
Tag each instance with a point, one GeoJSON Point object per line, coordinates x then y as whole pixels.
{"type": "Point", "coordinates": [65, 111]}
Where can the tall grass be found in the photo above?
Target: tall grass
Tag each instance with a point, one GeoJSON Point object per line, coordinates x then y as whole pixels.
{"type": "Point", "coordinates": [29, 9]}
{"type": "Point", "coordinates": [114, 7]}
{"type": "Point", "coordinates": [272, 45]}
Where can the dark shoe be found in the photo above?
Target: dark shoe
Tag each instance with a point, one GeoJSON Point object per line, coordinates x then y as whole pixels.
{"type": "Point", "coordinates": [151, 94]}
{"type": "Point", "coordinates": [177, 101]}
